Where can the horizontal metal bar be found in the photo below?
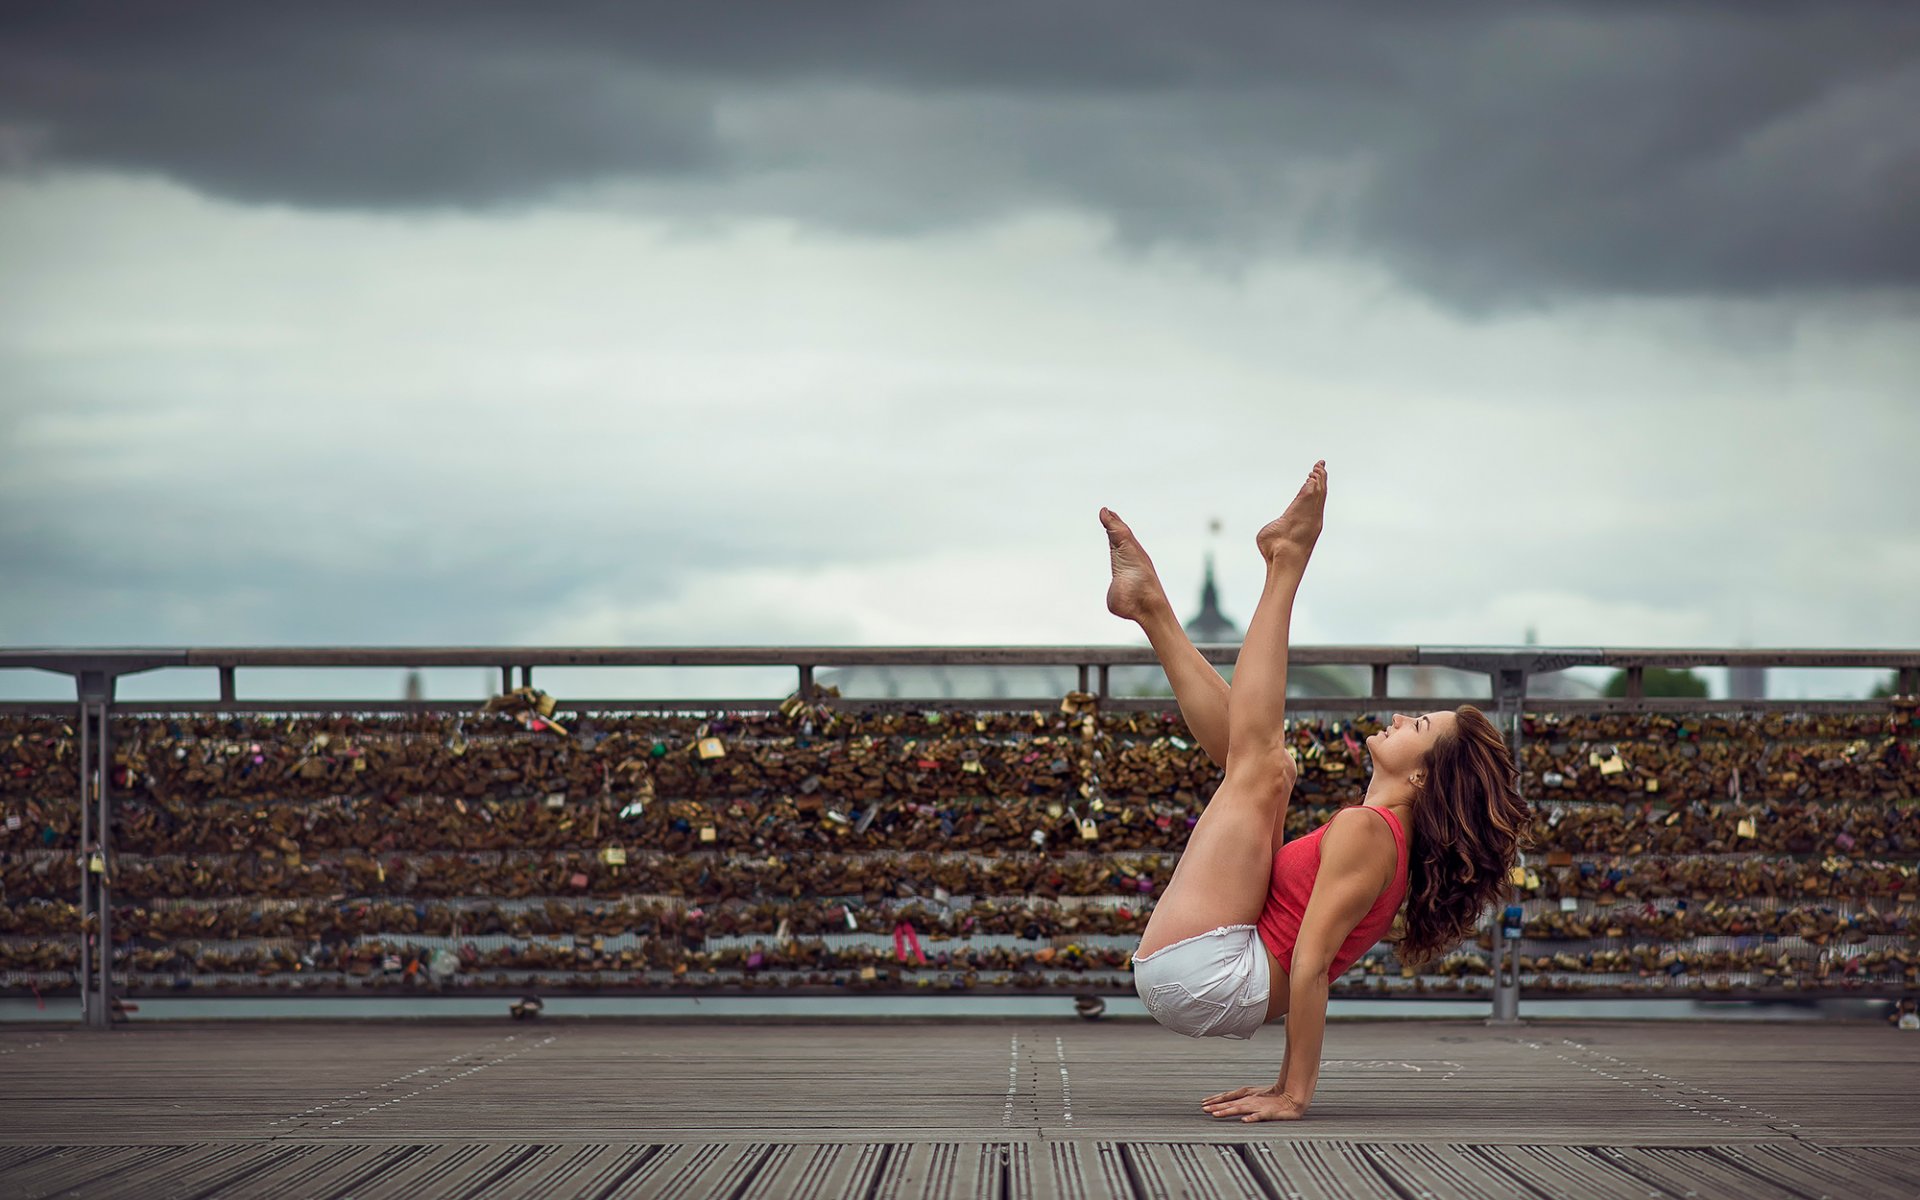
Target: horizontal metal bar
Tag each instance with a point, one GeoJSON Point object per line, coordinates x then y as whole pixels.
{"type": "Point", "coordinates": [1532, 659]}
{"type": "Point", "coordinates": [1296, 705]}
{"type": "Point", "coordinates": [1879, 991]}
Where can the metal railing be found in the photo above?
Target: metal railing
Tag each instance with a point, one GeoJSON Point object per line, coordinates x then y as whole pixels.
{"type": "Point", "coordinates": [95, 672]}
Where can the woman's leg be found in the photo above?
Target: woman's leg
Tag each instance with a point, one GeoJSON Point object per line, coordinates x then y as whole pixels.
{"type": "Point", "coordinates": [1136, 594]}
{"type": "Point", "coordinates": [1223, 874]}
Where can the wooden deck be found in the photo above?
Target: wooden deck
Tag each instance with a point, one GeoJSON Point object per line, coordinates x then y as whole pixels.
{"type": "Point", "coordinates": [1416, 1109]}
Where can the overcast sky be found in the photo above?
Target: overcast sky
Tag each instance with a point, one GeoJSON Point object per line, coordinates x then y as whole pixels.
{"type": "Point", "coordinates": [837, 323]}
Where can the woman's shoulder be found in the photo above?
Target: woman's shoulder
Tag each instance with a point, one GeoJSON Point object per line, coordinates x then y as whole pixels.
{"type": "Point", "coordinates": [1385, 818]}
{"type": "Point", "coordinates": [1383, 836]}
{"type": "Point", "coordinates": [1362, 831]}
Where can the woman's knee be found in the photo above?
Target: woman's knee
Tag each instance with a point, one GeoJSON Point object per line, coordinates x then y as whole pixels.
{"type": "Point", "coordinates": [1267, 771]}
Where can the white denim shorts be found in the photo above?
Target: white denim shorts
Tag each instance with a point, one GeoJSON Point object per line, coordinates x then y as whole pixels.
{"type": "Point", "coordinates": [1214, 984]}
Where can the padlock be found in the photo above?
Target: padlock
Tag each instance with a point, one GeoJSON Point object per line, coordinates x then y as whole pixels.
{"type": "Point", "coordinates": [710, 747]}
{"type": "Point", "coordinates": [1512, 921]}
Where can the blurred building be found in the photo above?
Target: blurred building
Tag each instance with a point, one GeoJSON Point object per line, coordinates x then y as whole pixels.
{"type": "Point", "coordinates": [1210, 624]}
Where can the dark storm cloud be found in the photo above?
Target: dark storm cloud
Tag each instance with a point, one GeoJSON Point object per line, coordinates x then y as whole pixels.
{"type": "Point", "coordinates": [1489, 154]}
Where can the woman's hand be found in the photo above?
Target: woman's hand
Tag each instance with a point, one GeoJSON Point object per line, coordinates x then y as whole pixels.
{"type": "Point", "coordinates": [1256, 1104]}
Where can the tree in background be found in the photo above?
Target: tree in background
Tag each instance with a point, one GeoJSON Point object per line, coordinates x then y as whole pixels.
{"type": "Point", "coordinates": [1659, 681]}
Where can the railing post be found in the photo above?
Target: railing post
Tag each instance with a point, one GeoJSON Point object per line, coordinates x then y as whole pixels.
{"type": "Point", "coordinates": [96, 943]}
{"type": "Point", "coordinates": [85, 718]}
{"type": "Point", "coordinates": [1510, 689]}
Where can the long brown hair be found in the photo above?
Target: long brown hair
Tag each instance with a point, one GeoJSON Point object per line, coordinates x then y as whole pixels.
{"type": "Point", "coordinates": [1470, 824]}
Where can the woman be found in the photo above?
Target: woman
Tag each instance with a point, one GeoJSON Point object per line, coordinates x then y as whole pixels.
{"type": "Point", "coordinates": [1249, 929]}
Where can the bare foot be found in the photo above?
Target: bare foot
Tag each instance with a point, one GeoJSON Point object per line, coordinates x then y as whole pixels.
{"type": "Point", "coordinates": [1135, 592]}
{"type": "Point", "coordinates": [1287, 540]}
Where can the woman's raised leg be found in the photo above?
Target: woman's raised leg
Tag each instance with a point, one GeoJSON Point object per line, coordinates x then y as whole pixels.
{"type": "Point", "coordinates": [1136, 594]}
{"type": "Point", "coordinates": [1223, 874]}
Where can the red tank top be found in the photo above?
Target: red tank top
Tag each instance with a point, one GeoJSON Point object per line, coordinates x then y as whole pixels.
{"type": "Point", "coordinates": [1294, 869]}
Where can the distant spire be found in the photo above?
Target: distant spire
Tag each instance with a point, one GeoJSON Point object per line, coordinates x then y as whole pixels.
{"type": "Point", "coordinates": [1211, 625]}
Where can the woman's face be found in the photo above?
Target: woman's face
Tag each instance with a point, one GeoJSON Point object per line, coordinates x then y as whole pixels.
{"type": "Point", "coordinates": [1403, 745]}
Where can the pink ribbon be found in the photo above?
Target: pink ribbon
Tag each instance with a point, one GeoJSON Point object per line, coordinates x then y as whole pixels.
{"type": "Point", "coordinates": [903, 935]}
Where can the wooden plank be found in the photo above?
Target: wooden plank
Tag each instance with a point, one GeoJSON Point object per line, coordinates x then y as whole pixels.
{"type": "Point", "coordinates": [104, 1170]}
{"type": "Point", "coordinates": [308, 1169]}
{"type": "Point", "coordinates": [1320, 1168]}
{"type": "Point", "coordinates": [1560, 1171]}
{"type": "Point", "coordinates": [944, 1171]}
{"type": "Point", "coordinates": [215, 1169]}
{"type": "Point", "coordinates": [1691, 1171]}
{"type": "Point", "coordinates": [1419, 1169]}
{"type": "Point", "coordinates": [1075, 1170]}
{"type": "Point", "coordinates": [1187, 1169]}
{"type": "Point", "coordinates": [1897, 1167]}
{"type": "Point", "coordinates": [1809, 1169]}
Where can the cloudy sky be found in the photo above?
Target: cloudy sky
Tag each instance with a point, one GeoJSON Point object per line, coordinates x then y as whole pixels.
{"type": "Point", "coordinates": [440, 324]}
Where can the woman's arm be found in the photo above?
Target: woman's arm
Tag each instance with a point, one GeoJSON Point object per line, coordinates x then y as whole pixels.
{"type": "Point", "coordinates": [1352, 852]}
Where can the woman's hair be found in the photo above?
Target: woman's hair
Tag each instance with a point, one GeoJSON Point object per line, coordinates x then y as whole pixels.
{"type": "Point", "coordinates": [1470, 824]}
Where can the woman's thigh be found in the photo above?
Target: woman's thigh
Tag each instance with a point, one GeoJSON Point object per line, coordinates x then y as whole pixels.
{"type": "Point", "coordinates": [1224, 872]}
